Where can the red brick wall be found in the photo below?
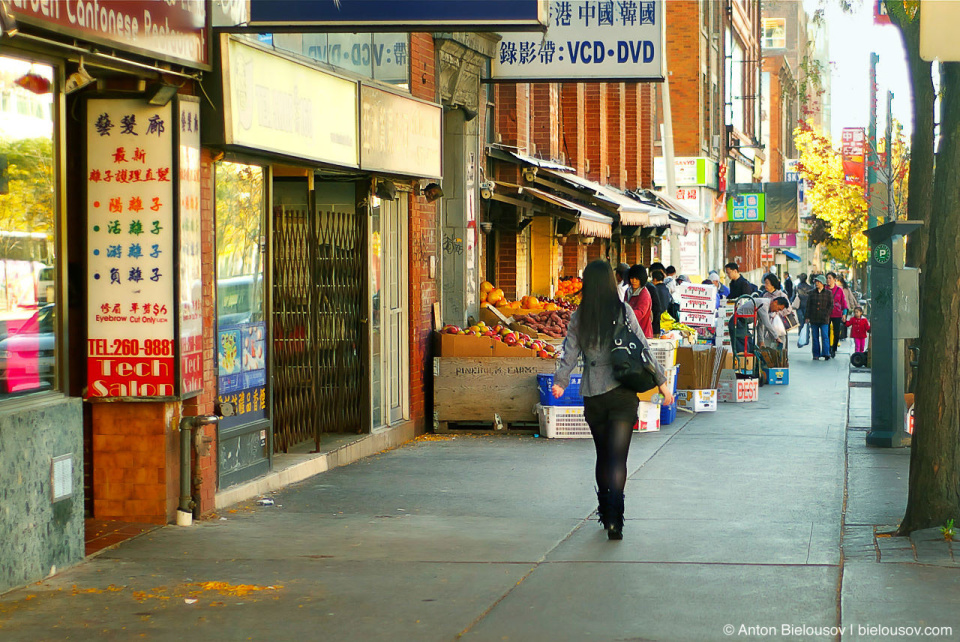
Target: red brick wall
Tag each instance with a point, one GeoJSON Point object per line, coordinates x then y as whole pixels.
{"type": "Point", "coordinates": [513, 115]}
{"type": "Point", "coordinates": [135, 445]}
{"type": "Point", "coordinates": [594, 134]}
{"type": "Point", "coordinates": [507, 264]}
{"type": "Point", "coordinates": [615, 159]}
{"type": "Point", "coordinates": [572, 137]}
{"type": "Point", "coordinates": [683, 59]}
{"type": "Point", "coordinates": [205, 468]}
{"type": "Point", "coordinates": [571, 262]}
{"type": "Point", "coordinates": [631, 135]}
{"type": "Point", "coordinates": [422, 231]}
{"type": "Point", "coordinates": [545, 120]}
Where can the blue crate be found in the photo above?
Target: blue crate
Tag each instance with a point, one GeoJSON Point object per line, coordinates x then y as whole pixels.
{"type": "Point", "coordinates": [668, 414]}
{"type": "Point", "coordinates": [778, 376]}
{"type": "Point", "coordinates": [571, 394]}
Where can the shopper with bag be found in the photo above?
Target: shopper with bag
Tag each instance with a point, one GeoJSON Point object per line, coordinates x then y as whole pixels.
{"type": "Point", "coordinates": [609, 406]}
{"type": "Point", "coordinates": [819, 308]}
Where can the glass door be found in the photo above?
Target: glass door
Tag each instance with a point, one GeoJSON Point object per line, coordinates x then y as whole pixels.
{"type": "Point", "coordinates": [389, 376]}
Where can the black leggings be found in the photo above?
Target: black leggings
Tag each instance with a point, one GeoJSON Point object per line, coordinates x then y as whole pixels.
{"type": "Point", "coordinates": [611, 417]}
{"type": "Point", "coordinates": [837, 329]}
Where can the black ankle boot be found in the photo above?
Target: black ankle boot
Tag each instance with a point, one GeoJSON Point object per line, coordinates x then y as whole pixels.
{"type": "Point", "coordinates": [615, 527]}
{"type": "Point", "coordinates": [610, 512]}
{"type": "Point", "coordinates": [604, 510]}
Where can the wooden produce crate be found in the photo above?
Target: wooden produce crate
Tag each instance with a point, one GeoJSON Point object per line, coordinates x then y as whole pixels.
{"type": "Point", "coordinates": [477, 390]}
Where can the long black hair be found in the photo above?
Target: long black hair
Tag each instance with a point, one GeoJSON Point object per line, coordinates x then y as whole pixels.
{"type": "Point", "coordinates": [601, 303]}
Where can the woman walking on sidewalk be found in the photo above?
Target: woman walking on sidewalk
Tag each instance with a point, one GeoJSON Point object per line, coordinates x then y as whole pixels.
{"type": "Point", "coordinates": [609, 409]}
{"type": "Point", "coordinates": [819, 307]}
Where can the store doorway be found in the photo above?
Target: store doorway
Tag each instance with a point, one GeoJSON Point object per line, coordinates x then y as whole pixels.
{"type": "Point", "coordinates": [318, 304]}
{"type": "Point", "coordinates": [390, 361]}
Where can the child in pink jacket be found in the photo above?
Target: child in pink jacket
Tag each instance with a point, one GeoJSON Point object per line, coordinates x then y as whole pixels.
{"type": "Point", "coordinates": [859, 327]}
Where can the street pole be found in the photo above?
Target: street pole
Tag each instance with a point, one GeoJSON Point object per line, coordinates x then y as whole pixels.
{"type": "Point", "coordinates": [891, 205]}
{"type": "Point", "coordinates": [668, 158]}
{"type": "Point", "coordinates": [872, 159]}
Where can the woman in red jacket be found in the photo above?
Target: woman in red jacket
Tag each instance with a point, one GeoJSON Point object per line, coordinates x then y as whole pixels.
{"type": "Point", "coordinates": [639, 299]}
{"type": "Point", "coordinates": [859, 327]}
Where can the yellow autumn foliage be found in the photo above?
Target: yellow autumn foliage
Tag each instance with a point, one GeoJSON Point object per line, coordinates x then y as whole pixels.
{"type": "Point", "coordinates": [841, 206]}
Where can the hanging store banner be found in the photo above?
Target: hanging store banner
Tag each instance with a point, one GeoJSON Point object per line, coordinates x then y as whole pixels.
{"type": "Point", "coordinates": [278, 105]}
{"type": "Point", "coordinates": [398, 134]}
{"type": "Point", "coordinates": [587, 40]}
{"type": "Point", "coordinates": [190, 263]}
{"type": "Point", "coordinates": [746, 208]}
{"type": "Point", "coordinates": [172, 31]}
{"type": "Point", "coordinates": [394, 15]}
{"type": "Point", "coordinates": [130, 204]}
{"type": "Point", "coordinates": [853, 148]}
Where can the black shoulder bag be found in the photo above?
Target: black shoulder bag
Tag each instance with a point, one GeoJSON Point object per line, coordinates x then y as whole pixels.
{"type": "Point", "coordinates": [633, 365]}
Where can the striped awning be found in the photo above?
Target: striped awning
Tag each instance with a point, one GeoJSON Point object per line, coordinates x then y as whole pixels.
{"type": "Point", "coordinates": [589, 222]}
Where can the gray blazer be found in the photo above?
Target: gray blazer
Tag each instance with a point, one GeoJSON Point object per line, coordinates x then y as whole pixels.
{"type": "Point", "coordinates": [597, 367]}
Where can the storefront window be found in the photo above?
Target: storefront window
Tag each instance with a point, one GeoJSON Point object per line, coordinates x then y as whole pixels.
{"type": "Point", "coordinates": [28, 334]}
{"type": "Point", "coordinates": [241, 331]}
{"type": "Point", "coordinates": [384, 57]}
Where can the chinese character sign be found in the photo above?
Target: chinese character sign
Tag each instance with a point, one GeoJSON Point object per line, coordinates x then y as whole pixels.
{"type": "Point", "coordinates": [129, 201]}
{"type": "Point", "coordinates": [191, 300]}
{"type": "Point", "coordinates": [853, 149]}
{"type": "Point", "coordinates": [587, 39]}
{"type": "Point", "coordinates": [746, 208]}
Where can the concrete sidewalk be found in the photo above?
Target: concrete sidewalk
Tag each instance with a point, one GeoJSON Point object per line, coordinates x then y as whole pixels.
{"type": "Point", "coordinates": [742, 518]}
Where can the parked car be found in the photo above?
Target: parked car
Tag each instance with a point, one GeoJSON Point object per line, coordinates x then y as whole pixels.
{"type": "Point", "coordinates": [27, 356]}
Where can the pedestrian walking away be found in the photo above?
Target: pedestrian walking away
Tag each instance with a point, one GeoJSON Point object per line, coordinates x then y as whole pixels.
{"type": "Point", "coordinates": [609, 409]}
{"type": "Point", "coordinates": [640, 299]}
{"type": "Point", "coordinates": [819, 307]}
{"type": "Point", "coordinates": [799, 301]}
{"type": "Point", "coordinates": [788, 285]}
{"type": "Point", "coordinates": [838, 312]}
{"type": "Point", "coordinates": [859, 328]}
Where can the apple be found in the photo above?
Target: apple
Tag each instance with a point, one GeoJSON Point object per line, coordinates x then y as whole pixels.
{"type": "Point", "coordinates": [543, 354]}
{"type": "Point", "coordinates": [549, 348]}
{"type": "Point", "coordinates": [510, 340]}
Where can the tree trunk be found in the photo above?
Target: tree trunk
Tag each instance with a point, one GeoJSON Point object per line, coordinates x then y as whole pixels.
{"type": "Point", "coordinates": [920, 182]}
{"type": "Point", "coordinates": [934, 495]}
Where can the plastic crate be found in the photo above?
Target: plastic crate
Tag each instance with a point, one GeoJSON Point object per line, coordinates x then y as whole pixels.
{"type": "Point", "coordinates": [664, 351]}
{"type": "Point", "coordinates": [668, 414]}
{"type": "Point", "coordinates": [563, 422]}
{"type": "Point", "coordinates": [571, 394]}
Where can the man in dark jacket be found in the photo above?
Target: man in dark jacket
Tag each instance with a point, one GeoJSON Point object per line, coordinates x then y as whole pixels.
{"type": "Point", "coordinates": [788, 285]}
{"type": "Point", "coordinates": [666, 300]}
{"type": "Point", "coordinates": [738, 285]}
{"type": "Point", "coordinates": [819, 308]}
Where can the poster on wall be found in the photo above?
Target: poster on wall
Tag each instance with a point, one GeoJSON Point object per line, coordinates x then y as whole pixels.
{"type": "Point", "coordinates": [191, 277]}
{"type": "Point", "coordinates": [130, 249]}
{"type": "Point", "coordinates": [242, 370]}
{"type": "Point", "coordinates": [587, 40]}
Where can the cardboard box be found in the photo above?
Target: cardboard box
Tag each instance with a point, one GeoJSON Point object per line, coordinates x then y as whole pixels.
{"type": "Point", "coordinates": [697, 305]}
{"type": "Point", "coordinates": [739, 390]}
{"type": "Point", "coordinates": [477, 389]}
{"type": "Point", "coordinates": [745, 363]}
{"type": "Point", "coordinates": [492, 316]}
{"type": "Point", "coordinates": [699, 291]}
{"type": "Point", "coordinates": [671, 382]}
{"type": "Point", "coordinates": [648, 417]}
{"type": "Point", "coordinates": [698, 318]}
{"type": "Point", "coordinates": [698, 367]}
{"type": "Point", "coordinates": [461, 345]}
{"type": "Point", "coordinates": [778, 376]}
{"type": "Point", "coordinates": [697, 400]}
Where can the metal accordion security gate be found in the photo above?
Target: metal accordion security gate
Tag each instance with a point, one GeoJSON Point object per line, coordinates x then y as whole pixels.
{"type": "Point", "coordinates": [318, 304]}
